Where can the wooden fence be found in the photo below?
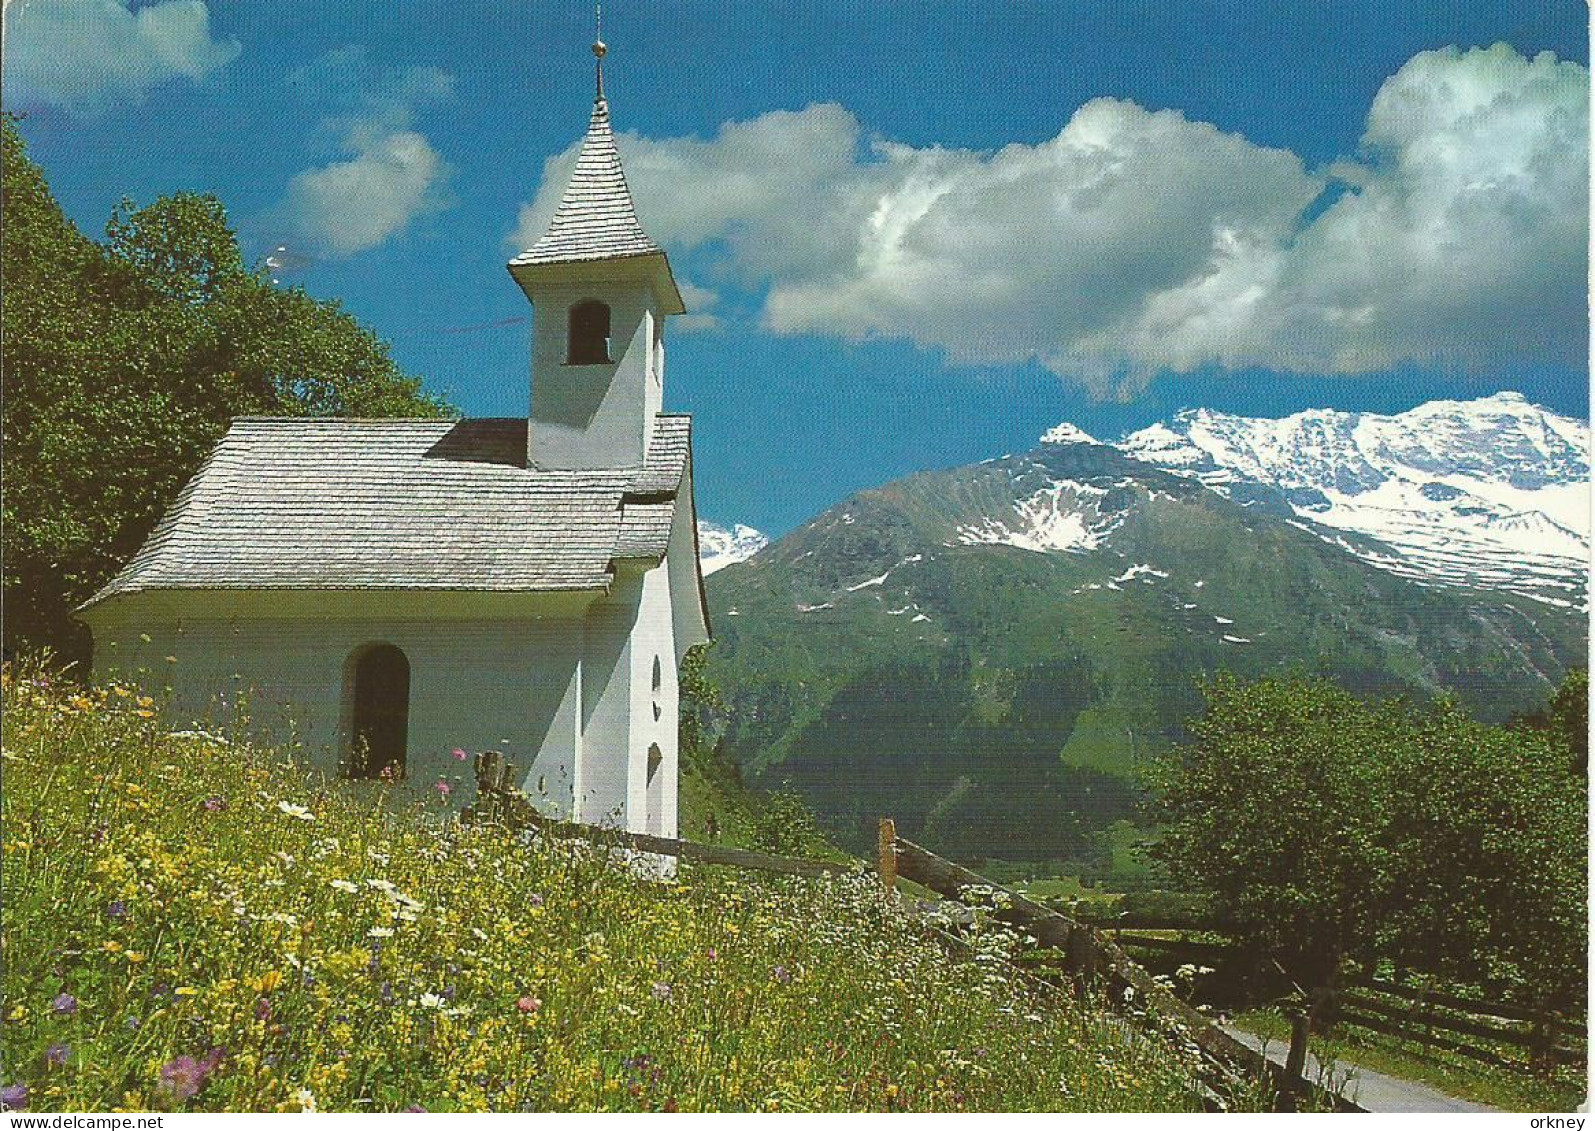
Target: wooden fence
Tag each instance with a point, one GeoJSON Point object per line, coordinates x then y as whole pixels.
{"type": "Point", "coordinates": [1094, 964]}
{"type": "Point", "coordinates": [1423, 1016]}
{"type": "Point", "coordinates": [497, 800]}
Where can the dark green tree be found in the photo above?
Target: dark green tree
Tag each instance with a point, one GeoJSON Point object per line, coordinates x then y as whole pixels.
{"type": "Point", "coordinates": [1329, 829]}
{"type": "Point", "coordinates": [1275, 808]}
{"type": "Point", "coordinates": [1570, 717]}
{"type": "Point", "coordinates": [124, 362]}
{"type": "Point", "coordinates": [1489, 828]}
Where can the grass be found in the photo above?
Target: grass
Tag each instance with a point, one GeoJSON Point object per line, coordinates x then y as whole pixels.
{"type": "Point", "coordinates": [1448, 1072]}
{"type": "Point", "coordinates": [192, 923]}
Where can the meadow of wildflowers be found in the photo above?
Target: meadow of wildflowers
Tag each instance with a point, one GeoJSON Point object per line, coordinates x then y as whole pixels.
{"type": "Point", "coordinates": [193, 923]}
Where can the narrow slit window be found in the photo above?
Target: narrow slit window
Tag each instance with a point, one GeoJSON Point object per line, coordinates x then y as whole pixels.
{"type": "Point", "coordinates": [589, 333]}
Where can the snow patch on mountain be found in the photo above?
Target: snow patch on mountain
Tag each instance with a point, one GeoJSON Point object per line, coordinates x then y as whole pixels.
{"type": "Point", "coordinates": [719, 546]}
{"type": "Point", "coordinates": [1493, 492]}
{"type": "Point", "coordinates": [1067, 433]}
{"type": "Point", "coordinates": [1062, 516]}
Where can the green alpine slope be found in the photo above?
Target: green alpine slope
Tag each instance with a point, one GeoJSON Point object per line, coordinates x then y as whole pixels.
{"type": "Point", "coordinates": [986, 654]}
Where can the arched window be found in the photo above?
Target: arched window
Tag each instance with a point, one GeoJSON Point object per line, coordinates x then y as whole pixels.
{"type": "Point", "coordinates": [379, 728]}
{"type": "Point", "coordinates": [589, 333]}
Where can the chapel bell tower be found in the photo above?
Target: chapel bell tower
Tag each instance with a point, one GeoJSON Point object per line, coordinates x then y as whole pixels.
{"type": "Point", "coordinates": [600, 291]}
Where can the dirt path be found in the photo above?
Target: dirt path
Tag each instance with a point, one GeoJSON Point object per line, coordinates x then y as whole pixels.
{"type": "Point", "coordinates": [1372, 1090]}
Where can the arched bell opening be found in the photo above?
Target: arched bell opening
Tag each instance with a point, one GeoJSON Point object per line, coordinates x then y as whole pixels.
{"type": "Point", "coordinates": [588, 343]}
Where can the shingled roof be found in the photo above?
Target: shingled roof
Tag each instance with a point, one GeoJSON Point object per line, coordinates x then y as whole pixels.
{"type": "Point", "coordinates": [596, 218]}
{"type": "Point", "coordinates": [596, 221]}
{"type": "Point", "coordinates": [405, 504]}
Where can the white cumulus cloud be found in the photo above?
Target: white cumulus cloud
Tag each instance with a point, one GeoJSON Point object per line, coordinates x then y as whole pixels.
{"type": "Point", "coordinates": [85, 55]}
{"type": "Point", "coordinates": [1137, 241]}
{"type": "Point", "coordinates": [387, 175]}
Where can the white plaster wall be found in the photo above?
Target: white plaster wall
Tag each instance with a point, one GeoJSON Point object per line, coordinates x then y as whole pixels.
{"type": "Point", "coordinates": [685, 574]}
{"type": "Point", "coordinates": [511, 685]}
{"type": "Point", "coordinates": [591, 416]}
{"type": "Point", "coordinates": [653, 330]}
{"type": "Point", "coordinates": [652, 806]}
{"type": "Point", "coordinates": [606, 704]}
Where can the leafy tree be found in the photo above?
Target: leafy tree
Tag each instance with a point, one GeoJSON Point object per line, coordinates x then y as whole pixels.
{"type": "Point", "coordinates": [1329, 829]}
{"type": "Point", "coordinates": [1275, 809]}
{"type": "Point", "coordinates": [785, 825]}
{"type": "Point", "coordinates": [124, 363]}
{"type": "Point", "coordinates": [703, 712]}
{"type": "Point", "coordinates": [1489, 828]}
{"type": "Point", "coordinates": [1570, 716]}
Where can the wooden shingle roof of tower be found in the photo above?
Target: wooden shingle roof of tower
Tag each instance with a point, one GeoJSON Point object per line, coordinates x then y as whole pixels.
{"type": "Point", "coordinates": [596, 222]}
{"type": "Point", "coordinates": [596, 218]}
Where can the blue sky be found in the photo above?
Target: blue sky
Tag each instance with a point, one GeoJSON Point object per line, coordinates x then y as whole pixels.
{"type": "Point", "coordinates": [914, 235]}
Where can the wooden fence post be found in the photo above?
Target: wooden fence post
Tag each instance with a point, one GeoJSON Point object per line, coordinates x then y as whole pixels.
{"type": "Point", "coordinates": [1540, 1041]}
{"type": "Point", "coordinates": [887, 860]}
{"type": "Point", "coordinates": [1296, 1058]}
{"type": "Point", "coordinates": [487, 784]}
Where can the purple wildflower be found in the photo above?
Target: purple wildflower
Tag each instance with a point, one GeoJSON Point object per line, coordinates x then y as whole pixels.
{"type": "Point", "coordinates": [64, 1005]}
{"type": "Point", "coordinates": [212, 804]}
{"type": "Point", "coordinates": [416, 1107]}
{"type": "Point", "coordinates": [536, 900]}
{"type": "Point", "coordinates": [57, 1054]}
{"type": "Point", "coordinates": [781, 974]}
{"type": "Point", "coordinates": [181, 1079]}
{"type": "Point", "coordinates": [14, 1097]}
{"type": "Point", "coordinates": [117, 909]}
{"type": "Point", "coordinates": [263, 1010]}
{"type": "Point", "coordinates": [132, 1022]}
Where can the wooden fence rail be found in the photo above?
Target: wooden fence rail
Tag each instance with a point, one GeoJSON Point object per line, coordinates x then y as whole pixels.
{"type": "Point", "coordinates": [1472, 1005]}
{"type": "Point", "coordinates": [498, 802]}
{"type": "Point", "coordinates": [1410, 1021]}
{"type": "Point", "coordinates": [1091, 955]}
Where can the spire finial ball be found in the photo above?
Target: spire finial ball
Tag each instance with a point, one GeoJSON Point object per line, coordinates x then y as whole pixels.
{"type": "Point", "coordinates": [600, 49]}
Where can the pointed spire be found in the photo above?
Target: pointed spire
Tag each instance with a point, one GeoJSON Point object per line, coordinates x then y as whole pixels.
{"type": "Point", "coordinates": [600, 49]}
{"type": "Point", "coordinates": [596, 218]}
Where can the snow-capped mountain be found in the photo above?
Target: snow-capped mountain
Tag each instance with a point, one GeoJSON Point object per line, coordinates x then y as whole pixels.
{"type": "Point", "coordinates": [719, 547]}
{"type": "Point", "coordinates": [1491, 493]}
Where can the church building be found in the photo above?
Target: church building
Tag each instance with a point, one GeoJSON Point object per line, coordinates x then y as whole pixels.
{"type": "Point", "coordinates": [388, 593]}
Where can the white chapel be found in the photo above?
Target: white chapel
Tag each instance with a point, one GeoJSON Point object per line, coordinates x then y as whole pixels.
{"type": "Point", "coordinates": [388, 592]}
